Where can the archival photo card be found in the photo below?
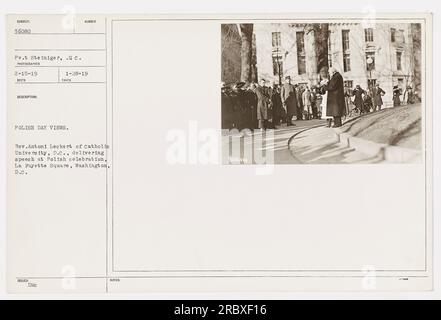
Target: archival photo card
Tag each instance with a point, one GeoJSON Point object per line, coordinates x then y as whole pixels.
{"type": "Point", "coordinates": [219, 153]}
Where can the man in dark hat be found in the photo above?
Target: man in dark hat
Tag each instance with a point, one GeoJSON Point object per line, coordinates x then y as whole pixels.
{"type": "Point", "coordinates": [397, 94]}
{"type": "Point", "coordinates": [377, 94]}
{"type": "Point", "coordinates": [252, 103]}
{"type": "Point", "coordinates": [289, 100]}
{"type": "Point", "coordinates": [263, 103]}
{"type": "Point", "coordinates": [358, 93]}
{"type": "Point", "coordinates": [277, 105]}
{"type": "Point", "coordinates": [409, 99]}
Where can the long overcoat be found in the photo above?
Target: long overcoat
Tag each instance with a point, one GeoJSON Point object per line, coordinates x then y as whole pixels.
{"type": "Point", "coordinates": [378, 93]}
{"type": "Point", "coordinates": [335, 105]}
{"type": "Point", "coordinates": [358, 98]}
{"type": "Point", "coordinates": [263, 102]}
{"type": "Point", "coordinates": [289, 99]}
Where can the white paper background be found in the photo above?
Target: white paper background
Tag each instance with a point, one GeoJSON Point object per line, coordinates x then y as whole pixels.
{"type": "Point", "coordinates": [300, 217]}
{"type": "Point", "coordinates": [223, 7]}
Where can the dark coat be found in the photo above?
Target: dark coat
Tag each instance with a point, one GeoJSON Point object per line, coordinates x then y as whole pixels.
{"type": "Point", "coordinates": [235, 107]}
{"type": "Point", "coordinates": [263, 102]}
{"type": "Point", "coordinates": [335, 105]}
{"type": "Point", "coordinates": [358, 100]}
{"type": "Point", "coordinates": [377, 94]}
{"type": "Point", "coordinates": [252, 98]}
{"type": "Point", "coordinates": [277, 104]}
{"type": "Point", "coordinates": [243, 110]}
{"type": "Point", "coordinates": [289, 99]}
{"type": "Point", "coordinates": [226, 111]}
{"type": "Point", "coordinates": [397, 94]}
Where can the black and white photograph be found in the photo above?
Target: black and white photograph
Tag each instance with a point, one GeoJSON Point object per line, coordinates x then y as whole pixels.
{"type": "Point", "coordinates": [322, 93]}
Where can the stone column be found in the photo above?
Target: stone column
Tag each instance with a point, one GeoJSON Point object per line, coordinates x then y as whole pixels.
{"type": "Point", "coordinates": [311, 58]}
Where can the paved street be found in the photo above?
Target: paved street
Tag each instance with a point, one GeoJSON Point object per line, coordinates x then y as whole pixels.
{"type": "Point", "coordinates": [309, 142]}
{"type": "Point", "coordinates": [321, 146]}
{"type": "Point", "coordinates": [277, 142]}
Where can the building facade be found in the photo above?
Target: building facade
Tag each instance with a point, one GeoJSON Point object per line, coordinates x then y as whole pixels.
{"type": "Point", "coordinates": [364, 55]}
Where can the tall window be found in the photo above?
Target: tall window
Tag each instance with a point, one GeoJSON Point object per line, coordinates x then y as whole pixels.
{"type": "Point", "coordinates": [301, 55]}
{"type": "Point", "coordinates": [277, 39]}
{"type": "Point", "coordinates": [346, 54]}
{"type": "Point", "coordinates": [397, 35]}
{"type": "Point", "coordinates": [346, 62]}
{"type": "Point", "coordinates": [401, 36]}
{"type": "Point", "coordinates": [277, 57]}
{"type": "Point", "coordinates": [277, 65]}
{"type": "Point", "coordinates": [370, 57]}
{"type": "Point", "coordinates": [329, 50]}
{"type": "Point", "coordinates": [345, 37]}
{"type": "Point", "coordinates": [393, 32]}
{"type": "Point", "coordinates": [399, 62]}
{"type": "Point", "coordinates": [369, 34]}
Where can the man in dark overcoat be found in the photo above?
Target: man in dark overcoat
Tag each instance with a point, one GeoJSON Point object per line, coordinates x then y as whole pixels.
{"type": "Point", "coordinates": [335, 105]}
{"type": "Point", "coordinates": [358, 93]}
{"type": "Point", "coordinates": [397, 94]}
{"type": "Point", "coordinates": [277, 105]}
{"type": "Point", "coordinates": [289, 100]}
{"type": "Point", "coordinates": [252, 99]}
{"type": "Point", "coordinates": [263, 103]}
{"type": "Point", "coordinates": [242, 106]}
{"type": "Point", "coordinates": [377, 94]}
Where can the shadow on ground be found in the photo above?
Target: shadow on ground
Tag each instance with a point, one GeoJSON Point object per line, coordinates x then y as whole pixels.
{"type": "Point", "coordinates": [321, 146]}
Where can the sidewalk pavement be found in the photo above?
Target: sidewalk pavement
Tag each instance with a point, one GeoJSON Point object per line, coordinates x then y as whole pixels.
{"type": "Point", "coordinates": [276, 141]}
{"type": "Point", "coordinates": [322, 145]}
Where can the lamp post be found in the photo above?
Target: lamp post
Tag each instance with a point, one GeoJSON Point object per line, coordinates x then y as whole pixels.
{"type": "Point", "coordinates": [279, 54]}
{"type": "Point", "coordinates": [279, 64]}
{"type": "Point", "coordinates": [279, 60]}
{"type": "Point", "coordinates": [370, 61]}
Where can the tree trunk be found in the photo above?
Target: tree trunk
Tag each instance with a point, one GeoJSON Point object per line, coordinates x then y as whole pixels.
{"type": "Point", "coordinates": [246, 51]}
{"type": "Point", "coordinates": [321, 33]}
{"type": "Point", "coordinates": [416, 56]}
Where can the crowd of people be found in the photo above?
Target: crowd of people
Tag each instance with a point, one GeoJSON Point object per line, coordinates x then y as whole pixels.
{"type": "Point", "coordinates": [265, 105]}
{"type": "Point", "coordinates": [364, 101]}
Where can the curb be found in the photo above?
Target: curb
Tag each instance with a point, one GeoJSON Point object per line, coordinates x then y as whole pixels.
{"type": "Point", "coordinates": [301, 131]}
{"type": "Point", "coordinates": [295, 135]}
{"type": "Point", "coordinates": [386, 152]}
